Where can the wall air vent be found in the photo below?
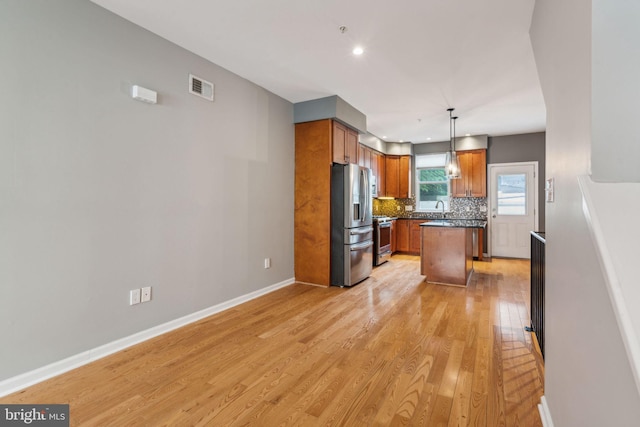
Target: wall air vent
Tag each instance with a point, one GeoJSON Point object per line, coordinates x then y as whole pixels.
{"type": "Point", "coordinates": [200, 87]}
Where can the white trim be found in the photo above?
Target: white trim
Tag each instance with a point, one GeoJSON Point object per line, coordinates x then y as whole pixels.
{"type": "Point", "coordinates": [536, 199]}
{"type": "Point", "coordinates": [35, 376]}
{"type": "Point", "coordinates": [615, 242]}
{"type": "Point", "coordinates": [545, 414]}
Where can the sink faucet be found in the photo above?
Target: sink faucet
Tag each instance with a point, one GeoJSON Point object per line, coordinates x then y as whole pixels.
{"type": "Point", "coordinates": [439, 202]}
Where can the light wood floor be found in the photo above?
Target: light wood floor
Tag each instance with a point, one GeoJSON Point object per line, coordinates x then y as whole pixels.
{"type": "Point", "coordinates": [391, 351]}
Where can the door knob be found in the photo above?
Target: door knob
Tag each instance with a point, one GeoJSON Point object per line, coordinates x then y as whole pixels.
{"type": "Point", "coordinates": [494, 216]}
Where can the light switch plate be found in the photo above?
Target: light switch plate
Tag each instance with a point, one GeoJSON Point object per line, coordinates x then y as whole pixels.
{"type": "Point", "coordinates": [146, 294]}
{"type": "Point", "coordinates": [549, 190]}
{"type": "Point", "coordinates": [134, 297]}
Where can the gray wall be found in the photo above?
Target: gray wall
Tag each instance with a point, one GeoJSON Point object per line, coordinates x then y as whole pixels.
{"type": "Point", "coordinates": [528, 147]}
{"type": "Point", "coordinates": [588, 379]}
{"type": "Point", "coordinates": [100, 194]}
{"type": "Point", "coordinates": [330, 107]}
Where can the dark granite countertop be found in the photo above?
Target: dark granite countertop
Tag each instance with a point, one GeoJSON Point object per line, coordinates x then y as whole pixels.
{"type": "Point", "coordinates": [456, 223]}
{"type": "Point", "coordinates": [438, 217]}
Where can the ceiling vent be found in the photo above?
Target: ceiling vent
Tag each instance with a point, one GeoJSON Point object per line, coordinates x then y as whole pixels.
{"type": "Point", "coordinates": [200, 87]}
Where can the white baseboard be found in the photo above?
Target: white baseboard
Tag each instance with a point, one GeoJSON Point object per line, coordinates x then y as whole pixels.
{"type": "Point", "coordinates": [545, 415]}
{"type": "Point", "coordinates": [35, 376]}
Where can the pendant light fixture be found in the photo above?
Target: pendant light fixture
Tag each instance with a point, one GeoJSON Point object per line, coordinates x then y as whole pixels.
{"type": "Point", "coordinates": [452, 163]}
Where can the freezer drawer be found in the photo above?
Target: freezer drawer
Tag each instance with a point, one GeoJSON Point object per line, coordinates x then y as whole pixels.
{"type": "Point", "coordinates": [357, 235]}
{"type": "Point", "coordinates": [353, 265]}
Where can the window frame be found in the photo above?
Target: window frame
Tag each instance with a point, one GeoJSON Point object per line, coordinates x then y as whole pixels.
{"type": "Point", "coordinates": [418, 182]}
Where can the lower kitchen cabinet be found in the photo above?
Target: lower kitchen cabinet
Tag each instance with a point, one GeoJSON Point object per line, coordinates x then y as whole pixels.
{"type": "Point", "coordinates": [394, 237]}
{"type": "Point", "coordinates": [407, 232]}
{"type": "Point", "coordinates": [402, 235]}
{"type": "Point", "coordinates": [415, 236]}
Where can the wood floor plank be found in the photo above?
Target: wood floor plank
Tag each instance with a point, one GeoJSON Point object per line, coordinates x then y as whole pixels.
{"type": "Point", "coordinates": [392, 350]}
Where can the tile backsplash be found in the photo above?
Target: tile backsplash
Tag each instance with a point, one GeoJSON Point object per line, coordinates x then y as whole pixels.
{"type": "Point", "coordinates": [467, 207]}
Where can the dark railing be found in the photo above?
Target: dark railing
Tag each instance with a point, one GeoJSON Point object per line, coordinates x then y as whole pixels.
{"type": "Point", "coordinates": [537, 287]}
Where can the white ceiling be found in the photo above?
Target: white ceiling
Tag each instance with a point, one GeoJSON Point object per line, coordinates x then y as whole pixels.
{"type": "Point", "coordinates": [421, 56]}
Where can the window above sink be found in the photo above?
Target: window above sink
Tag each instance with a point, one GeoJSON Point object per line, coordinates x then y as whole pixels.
{"type": "Point", "coordinates": [432, 185]}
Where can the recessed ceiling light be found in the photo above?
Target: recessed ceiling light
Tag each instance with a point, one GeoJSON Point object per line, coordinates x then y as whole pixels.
{"type": "Point", "coordinates": [384, 137]}
{"type": "Point", "coordinates": [401, 140]}
{"type": "Point", "coordinates": [467, 134]}
{"type": "Point", "coordinates": [358, 50]}
{"type": "Point", "coordinates": [429, 139]}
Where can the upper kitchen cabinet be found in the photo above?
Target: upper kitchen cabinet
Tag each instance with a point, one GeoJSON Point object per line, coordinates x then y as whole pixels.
{"type": "Point", "coordinates": [374, 169]}
{"type": "Point", "coordinates": [345, 144]}
{"type": "Point", "coordinates": [473, 175]}
{"type": "Point", "coordinates": [370, 158]}
{"type": "Point", "coordinates": [365, 155]}
{"type": "Point", "coordinates": [382, 188]}
{"type": "Point", "coordinates": [397, 170]}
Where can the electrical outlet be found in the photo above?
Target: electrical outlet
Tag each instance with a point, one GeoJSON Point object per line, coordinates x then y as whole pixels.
{"type": "Point", "coordinates": [398, 208]}
{"type": "Point", "coordinates": [146, 294]}
{"type": "Point", "coordinates": [408, 208]}
{"type": "Point", "coordinates": [267, 263]}
{"type": "Point", "coordinates": [134, 297]}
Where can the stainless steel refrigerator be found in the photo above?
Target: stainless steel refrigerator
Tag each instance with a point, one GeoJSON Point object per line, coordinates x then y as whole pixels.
{"type": "Point", "coordinates": [351, 224]}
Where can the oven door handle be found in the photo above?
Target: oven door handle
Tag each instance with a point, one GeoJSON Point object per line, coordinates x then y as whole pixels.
{"type": "Point", "coordinates": [385, 225]}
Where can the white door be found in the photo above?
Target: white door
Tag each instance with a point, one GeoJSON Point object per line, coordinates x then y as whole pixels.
{"type": "Point", "coordinates": [513, 201]}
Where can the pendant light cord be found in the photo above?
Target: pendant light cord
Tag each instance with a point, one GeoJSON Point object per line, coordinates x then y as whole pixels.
{"type": "Point", "coordinates": [450, 110]}
{"type": "Point", "coordinates": [453, 140]}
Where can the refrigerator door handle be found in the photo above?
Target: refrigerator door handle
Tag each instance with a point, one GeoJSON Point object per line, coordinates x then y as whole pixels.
{"type": "Point", "coordinates": [361, 231]}
{"type": "Point", "coordinates": [360, 246]}
{"type": "Point", "coordinates": [365, 192]}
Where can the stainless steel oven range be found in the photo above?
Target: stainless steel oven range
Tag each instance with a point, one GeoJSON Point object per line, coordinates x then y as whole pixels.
{"type": "Point", "coordinates": [381, 239]}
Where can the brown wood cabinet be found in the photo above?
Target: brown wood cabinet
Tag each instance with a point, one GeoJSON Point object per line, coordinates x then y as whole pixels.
{"type": "Point", "coordinates": [373, 157]}
{"type": "Point", "coordinates": [370, 158]}
{"type": "Point", "coordinates": [402, 235]}
{"type": "Point", "coordinates": [312, 204]}
{"type": "Point", "coordinates": [394, 237]}
{"type": "Point", "coordinates": [382, 188]}
{"type": "Point", "coordinates": [473, 171]}
{"type": "Point", "coordinates": [414, 236]}
{"type": "Point", "coordinates": [345, 144]}
{"type": "Point", "coordinates": [397, 170]}
{"type": "Point", "coordinates": [447, 255]}
{"type": "Point", "coordinates": [407, 235]}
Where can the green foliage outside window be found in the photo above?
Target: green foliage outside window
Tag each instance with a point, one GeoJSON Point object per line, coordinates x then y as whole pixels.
{"type": "Point", "coordinates": [433, 192]}
{"type": "Point", "coordinates": [432, 175]}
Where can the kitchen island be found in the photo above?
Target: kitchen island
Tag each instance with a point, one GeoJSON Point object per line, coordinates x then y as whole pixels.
{"type": "Point", "coordinates": [446, 250]}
